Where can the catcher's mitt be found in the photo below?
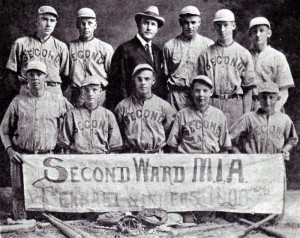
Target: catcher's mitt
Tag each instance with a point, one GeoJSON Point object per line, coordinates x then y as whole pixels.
{"type": "Point", "coordinates": [130, 225]}
{"type": "Point", "coordinates": [153, 216]}
{"type": "Point", "coordinates": [110, 218]}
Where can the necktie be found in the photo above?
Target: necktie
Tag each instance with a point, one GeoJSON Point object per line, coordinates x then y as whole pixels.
{"type": "Point", "coordinates": [147, 48]}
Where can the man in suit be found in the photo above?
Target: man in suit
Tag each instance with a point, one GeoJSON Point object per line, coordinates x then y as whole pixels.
{"type": "Point", "coordinates": [139, 50]}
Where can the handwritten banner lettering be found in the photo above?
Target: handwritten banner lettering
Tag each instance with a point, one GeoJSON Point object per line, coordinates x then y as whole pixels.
{"type": "Point", "coordinates": [122, 182]}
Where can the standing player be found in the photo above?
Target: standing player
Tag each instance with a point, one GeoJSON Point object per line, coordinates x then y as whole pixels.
{"type": "Point", "coordinates": [139, 50]}
{"type": "Point", "coordinates": [144, 118]}
{"type": "Point", "coordinates": [30, 126]}
{"type": "Point", "coordinates": [90, 129]}
{"type": "Point", "coordinates": [264, 131]}
{"type": "Point", "coordinates": [88, 56]}
{"type": "Point", "coordinates": [40, 46]}
{"type": "Point", "coordinates": [181, 57]}
{"type": "Point", "coordinates": [270, 64]}
{"type": "Point", "coordinates": [230, 66]}
{"type": "Point", "coordinates": [200, 128]}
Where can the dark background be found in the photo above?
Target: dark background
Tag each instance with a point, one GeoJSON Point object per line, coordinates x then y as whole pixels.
{"type": "Point", "coordinates": [116, 24]}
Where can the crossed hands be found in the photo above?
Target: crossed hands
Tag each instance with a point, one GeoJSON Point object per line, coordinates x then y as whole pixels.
{"type": "Point", "coordinates": [14, 156]}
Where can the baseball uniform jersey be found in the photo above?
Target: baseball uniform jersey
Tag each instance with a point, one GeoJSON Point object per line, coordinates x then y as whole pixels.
{"type": "Point", "coordinates": [89, 58]}
{"type": "Point", "coordinates": [87, 131]}
{"type": "Point", "coordinates": [230, 68]}
{"type": "Point", "coordinates": [181, 65]}
{"type": "Point", "coordinates": [257, 133]}
{"type": "Point", "coordinates": [205, 132]}
{"type": "Point", "coordinates": [271, 66]}
{"type": "Point", "coordinates": [52, 52]}
{"type": "Point", "coordinates": [144, 125]}
{"type": "Point", "coordinates": [32, 123]}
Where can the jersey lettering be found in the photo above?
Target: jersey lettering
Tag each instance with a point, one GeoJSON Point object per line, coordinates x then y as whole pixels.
{"type": "Point", "coordinates": [96, 56]}
{"type": "Point", "coordinates": [147, 114]}
{"type": "Point", "coordinates": [226, 60]}
{"type": "Point", "coordinates": [44, 53]}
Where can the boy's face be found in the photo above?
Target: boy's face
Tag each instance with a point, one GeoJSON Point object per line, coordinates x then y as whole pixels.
{"type": "Point", "coordinates": [36, 79]}
{"type": "Point", "coordinates": [91, 93]}
{"type": "Point", "coordinates": [259, 34]}
{"type": "Point", "coordinates": [189, 25]}
{"type": "Point", "coordinates": [201, 94]}
{"type": "Point", "coordinates": [224, 29]}
{"type": "Point", "coordinates": [86, 27]}
{"type": "Point", "coordinates": [143, 82]}
{"type": "Point", "coordinates": [268, 101]}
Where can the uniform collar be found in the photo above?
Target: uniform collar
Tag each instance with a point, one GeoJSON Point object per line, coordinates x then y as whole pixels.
{"type": "Point", "coordinates": [36, 37]}
{"type": "Point", "coordinates": [143, 42]}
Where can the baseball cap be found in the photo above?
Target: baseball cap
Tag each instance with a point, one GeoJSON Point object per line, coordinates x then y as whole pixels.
{"type": "Point", "coordinates": [47, 9]}
{"type": "Point", "coordinates": [37, 65]}
{"type": "Point", "coordinates": [94, 79]}
{"type": "Point", "coordinates": [202, 79]}
{"type": "Point", "coordinates": [139, 67]}
{"type": "Point", "coordinates": [259, 21]}
{"type": "Point", "coordinates": [190, 10]}
{"type": "Point", "coordinates": [86, 12]}
{"type": "Point", "coordinates": [268, 87]}
{"type": "Point", "coordinates": [151, 12]}
{"type": "Point", "coordinates": [224, 15]}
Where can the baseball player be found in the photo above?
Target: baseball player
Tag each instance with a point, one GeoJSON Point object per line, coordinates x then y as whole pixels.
{"type": "Point", "coordinates": [90, 129]}
{"type": "Point", "coordinates": [143, 117]}
{"type": "Point", "coordinates": [30, 126]}
{"type": "Point", "coordinates": [264, 131]}
{"type": "Point", "coordinates": [200, 128]}
{"type": "Point", "coordinates": [181, 57]}
{"type": "Point", "coordinates": [230, 66]}
{"type": "Point", "coordinates": [40, 46]}
{"type": "Point", "coordinates": [270, 64]}
{"type": "Point", "coordinates": [88, 56]}
{"type": "Point", "coordinates": [139, 50]}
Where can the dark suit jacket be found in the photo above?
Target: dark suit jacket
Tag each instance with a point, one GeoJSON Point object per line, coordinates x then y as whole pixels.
{"type": "Point", "coordinates": [126, 57]}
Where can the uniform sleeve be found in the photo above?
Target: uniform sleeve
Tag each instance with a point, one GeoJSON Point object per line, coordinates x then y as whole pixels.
{"type": "Point", "coordinates": [290, 134]}
{"type": "Point", "coordinates": [175, 133]}
{"type": "Point", "coordinates": [285, 78]}
{"type": "Point", "coordinates": [65, 106]}
{"type": "Point", "coordinates": [237, 131]}
{"type": "Point", "coordinates": [248, 75]}
{"type": "Point", "coordinates": [201, 63]}
{"type": "Point", "coordinates": [9, 125]}
{"type": "Point", "coordinates": [224, 138]}
{"type": "Point", "coordinates": [64, 61]}
{"type": "Point", "coordinates": [114, 135]}
{"type": "Point", "coordinates": [167, 56]}
{"type": "Point", "coordinates": [170, 114]}
{"type": "Point", "coordinates": [108, 58]}
{"type": "Point", "coordinates": [13, 59]}
{"type": "Point", "coordinates": [66, 133]}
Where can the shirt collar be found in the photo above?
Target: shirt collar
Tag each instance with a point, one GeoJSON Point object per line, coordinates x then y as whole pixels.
{"type": "Point", "coordinates": [143, 41]}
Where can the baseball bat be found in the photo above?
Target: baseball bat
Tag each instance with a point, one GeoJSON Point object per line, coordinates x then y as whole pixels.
{"type": "Point", "coordinates": [68, 232]}
{"type": "Point", "coordinates": [15, 227]}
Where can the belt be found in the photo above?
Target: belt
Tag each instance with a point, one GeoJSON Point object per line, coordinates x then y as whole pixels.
{"type": "Point", "coordinates": [225, 96]}
{"type": "Point", "coordinates": [22, 151]}
{"type": "Point", "coordinates": [53, 84]}
{"type": "Point", "coordinates": [146, 151]}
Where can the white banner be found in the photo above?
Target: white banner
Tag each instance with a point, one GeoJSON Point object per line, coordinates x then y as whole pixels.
{"type": "Point", "coordinates": [181, 182]}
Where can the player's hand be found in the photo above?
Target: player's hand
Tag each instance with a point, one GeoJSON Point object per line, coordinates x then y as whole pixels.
{"type": "Point", "coordinates": [286, 155]}
{"type": "Point", "coordinates": [14, 156]}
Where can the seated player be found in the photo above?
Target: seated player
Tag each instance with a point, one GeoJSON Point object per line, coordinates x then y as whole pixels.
{"type": "Point", "coordinates": [90, 129]}
{"type": "Point", "coordinates": [144, 118]}
{"type": "Point", "coordinates": [264, 131]}
{"type": "Point", "coordinates": [200, 128]}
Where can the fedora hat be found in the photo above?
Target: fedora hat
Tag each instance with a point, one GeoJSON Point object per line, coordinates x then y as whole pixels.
{"type": "Point", "coordinates": [151, 12]}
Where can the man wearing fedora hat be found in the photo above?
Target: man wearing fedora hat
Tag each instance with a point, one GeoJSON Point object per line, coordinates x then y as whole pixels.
{"type": "Point", "coordinates": [43, 47]}
{"type": "Point", "coordinates": [138, 50]}
{"type": "Point", "coordinates": [181, 57]}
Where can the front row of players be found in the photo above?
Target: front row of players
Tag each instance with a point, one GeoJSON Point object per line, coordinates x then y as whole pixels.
{"type": "Point", "coordinates": [32, 121]}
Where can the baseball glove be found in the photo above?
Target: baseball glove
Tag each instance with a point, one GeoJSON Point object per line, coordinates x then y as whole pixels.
{"type": "Point", "coordinates": [110, 218]}
{"type": "Point", "coordinates": [153, 216]}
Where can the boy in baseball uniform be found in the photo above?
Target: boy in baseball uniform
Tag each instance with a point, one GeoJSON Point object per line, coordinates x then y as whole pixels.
{"type": "Point", "coordinates": [88, 56]}
{"type": "Point", "coordinates": [200, 127]}
{"type": "Point", "coordinates": [270, 64]}
{"type": "Point", "coordinates": [230, 67]}
{"type": "Point", "coordinates": [181, 57]}
{"type": "Point", "coordinates": [41, 46]}
{"type": "Point", "coordinates": [144, 118]}
{"type": "Point", "coordinates": [30, 126]}
{"type": "Point", "coordinates": [90, 129]}
{"type": "Point", "coordinates": [264, 131]}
